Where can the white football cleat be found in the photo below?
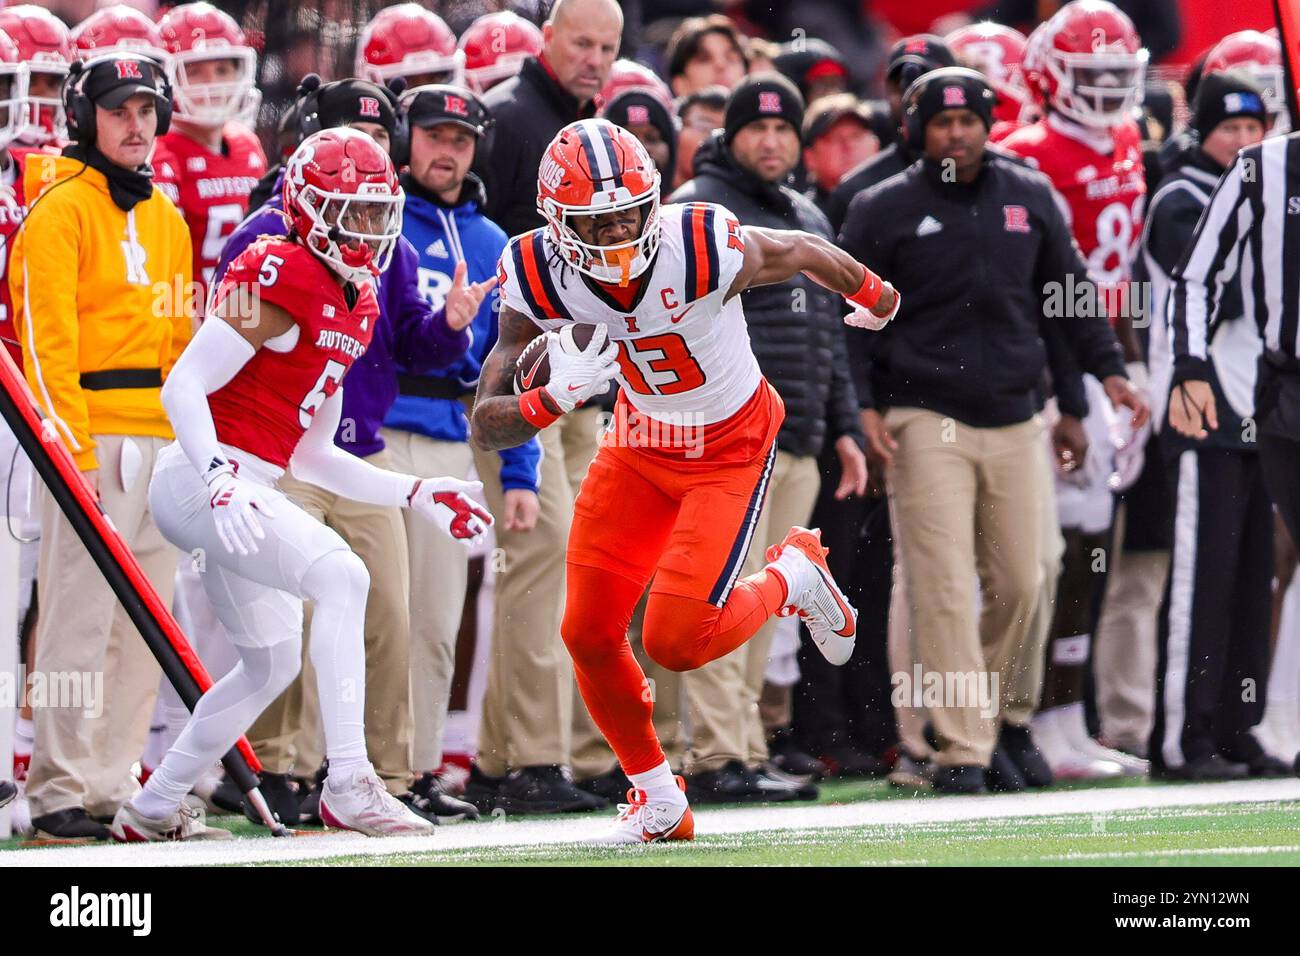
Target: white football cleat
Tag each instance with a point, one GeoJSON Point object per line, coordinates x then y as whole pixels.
{"type": "Point", "coordinates": [1067, 761]}
{"type": "Point", "coordinates": [642, 820]}
{"type": "Point", "coordinates": [366, 806]}
{"type": "Point", "coordinates": [814, 596]}
{"type": "Point", "coordinates": [189, 822]}
{"type": "Point", "coordinates": [1070, 722]}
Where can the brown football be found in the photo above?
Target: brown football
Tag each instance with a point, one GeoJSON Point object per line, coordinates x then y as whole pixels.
{"type": "Point", "coordinates": [533, 369]}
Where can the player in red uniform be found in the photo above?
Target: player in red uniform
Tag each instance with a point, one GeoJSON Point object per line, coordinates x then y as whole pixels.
{"type": "Point", "coordinates": [45, 46]}
{"type": "Point", "coordinates": [210, 161]}
{"type": "Point", "coordinates": [118, 28]}
{"type": "Point", "coordinates": [409, 41]}
{"type": "Point", "coordinates": [258, 390]}
{"type": "Point", "coordinates": [13, 83]}
{"type": "Point", "coordinates": [997, 51]}
{"type": "Point", "coordinates": [1087, 64]}
{"type": "Point", "coordinates": [661, 286]}
{"type": "Point", "coordinates": [495, 47]}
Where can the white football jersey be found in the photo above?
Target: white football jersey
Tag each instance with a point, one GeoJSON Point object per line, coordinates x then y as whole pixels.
{"type": "Point", "coordinates": [682, 351]}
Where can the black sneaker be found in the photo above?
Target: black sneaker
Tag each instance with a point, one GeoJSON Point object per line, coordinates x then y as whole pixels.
{"type": "Point", "coordinates": [227, 796]}
{"type": "Point", "coordinates": [788, 757]}
{"type": "Point", "coordinates": [962, 778]}
{"type": "Point", "coordinates": [431, 795]}
{"type": "Point", "coordinates": [309, 797]}
{"type": "Point", "coordinates": [612, 786]}
{"type": "Point", "coordinates": [770, 779]}
{"type": "Point", "coordinates": [845, 761]}
{"type": "Point", "coordinates": [1002, 775]}
{"type": "Point", "coordinates": [544, 789]}
{"type": "Point", "coordinates": [1268, 767]}
{"type": "Point", "coordinates": [73, 824]}
{"type": "Point", "coordinates": [419, 806]}
{"type": "Point", "coordinates": [8, 790]}
{"type": "Point", "coordinates": [481, 790]}
{"type": "Point", "coordinates": [1212, 767]}
{"type": "Point", "coordinates": [1018, 744]}
{"type": "Point", "coordinates": [730, 783]}
{"type": "Point", "coordinates": [282, 796]}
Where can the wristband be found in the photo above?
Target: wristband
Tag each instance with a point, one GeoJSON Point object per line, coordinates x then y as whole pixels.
{"type": "Point", "coordinates": [534, 411]}
{"type": "Point", "coordinates": [868, 293]}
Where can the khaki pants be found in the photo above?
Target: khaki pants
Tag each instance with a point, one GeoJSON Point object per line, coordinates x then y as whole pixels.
{"type": "Point", "coordinates": [966, 503]}
{"type": "Point", "coordinates": [1124, 652]}
{"type": "Point", "coordinates": [592, 756]}
{"type": "Point", "coordinates": [83, 759]}
{"type": "Point", "coordinates": [528, 704]}
{"type": "Point", "coordinates": [439, 577]}
{"type": "Point", "coordinates": [723, 695]}
{"type": "Point", "coordinates": [287, 736]}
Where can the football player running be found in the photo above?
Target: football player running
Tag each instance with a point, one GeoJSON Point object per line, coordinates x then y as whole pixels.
{"type": "Point", "coordinates": [248, 399]}
{"type": "Point", "coordinates": [661, 285]}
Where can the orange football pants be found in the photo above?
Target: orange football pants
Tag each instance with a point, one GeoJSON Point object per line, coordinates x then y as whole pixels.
{"type": "Point", "coordinates": [687, 522]}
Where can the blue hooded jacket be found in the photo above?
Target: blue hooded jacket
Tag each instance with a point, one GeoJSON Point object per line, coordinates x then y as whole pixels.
{"type": "Point", "coordinates": [443, 235]}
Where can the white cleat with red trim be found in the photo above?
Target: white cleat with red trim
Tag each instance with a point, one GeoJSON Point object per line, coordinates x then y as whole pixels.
{"type": "Point", "coordinates": [366, 806]}
{"type": "Point", "coordinates": [642, 820]}
{"type": "Point", "coordinates": [813, 594]}
{"type": "Point", "coordinates": [189, 822]}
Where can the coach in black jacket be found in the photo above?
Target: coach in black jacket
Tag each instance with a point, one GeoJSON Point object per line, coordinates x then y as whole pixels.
{"type": "Point", "coordinates": [978, 248]}
{"type": "Point", "coordinates": [797, 334]}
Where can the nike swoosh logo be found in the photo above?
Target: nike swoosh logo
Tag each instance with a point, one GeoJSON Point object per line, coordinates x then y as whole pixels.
{"type": "Point", "coordinates": [848, 629]}
{"type": "Point", "coordinates": [674, 319]}
{"type": "Point", "coordinates": [574, 388]}
{"type": "Point", "coordinates": [532, 372]}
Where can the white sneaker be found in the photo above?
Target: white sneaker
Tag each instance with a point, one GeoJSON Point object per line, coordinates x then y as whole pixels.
{"type": "Point", "coordinates": [189, 822]}
{"type": "Point", "coordinates": [366, 806]}
{"type": "Point", "coordinates": [642, 820]}
{"type": "Point", "coordinates": [1066, 761]}
{"type": "Point", "coordinates": [814, 596]}
{"type": "Point", "coordinates": [1072, 724]}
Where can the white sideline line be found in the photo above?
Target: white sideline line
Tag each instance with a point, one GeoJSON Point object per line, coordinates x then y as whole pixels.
{"type": "Point", "coordinates": [525, 833]}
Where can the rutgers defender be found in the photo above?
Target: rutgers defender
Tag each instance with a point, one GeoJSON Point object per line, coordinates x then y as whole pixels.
{"type": "Point", "coordinates": [210, 161]}
{"type": "Point", "coordinates": [998, 52]}
{"type": "Point", "coordinates": [661, 286]}
{"type": "Point", "coordinates": [1260, 56]}
{"type": "Point", "coordinates": [117, 29]}
{"type": "Point", "coordinates": [1087, 64]}
{"type": "Point", "coordinates": [247, 400]}
{"type": "Point", "coordinates": [495, 47]}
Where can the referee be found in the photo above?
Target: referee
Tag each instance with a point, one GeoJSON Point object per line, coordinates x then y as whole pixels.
{"type": "Point", "coordinates": [1253, 223]}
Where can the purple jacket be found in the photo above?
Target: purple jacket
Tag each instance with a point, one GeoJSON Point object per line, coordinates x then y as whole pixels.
{"type": "Point", "coordinates": [407, 330]}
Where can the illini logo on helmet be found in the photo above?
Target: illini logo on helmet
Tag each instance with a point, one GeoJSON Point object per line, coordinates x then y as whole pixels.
{"type": "Point", "coordinates": [953, 96]}
{"type": "Point", "coordinates": [369, 107]}
{"type": "Point", "coordinates": [128, 70]}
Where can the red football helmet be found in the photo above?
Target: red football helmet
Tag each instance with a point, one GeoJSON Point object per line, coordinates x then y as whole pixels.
{"type": "Point", "coordinates": [46, 49]}
{"type": "Point", "coordinates": [629, 75]}
{"type": "Point", "coordinates": [997, 52]}
{"type": "Point", "coordinates": [195, 34]}
{"type": "Point", "coordinates": [15, 93]}
{"type": "Point", "coordinates": [342, 195]}
{"type": "Point", "coordinates": [117, 29]}
{"type": "Point", "coordinates": [408, 40]}
{"type": "Point", "coordinates": [495, 47]}
{"type": "Point", "coordinates": [593, 167]}
{"type": "Point", "coordinates": [1259, 56]}
{"type": "Point", "coordinates": [1088, 63]}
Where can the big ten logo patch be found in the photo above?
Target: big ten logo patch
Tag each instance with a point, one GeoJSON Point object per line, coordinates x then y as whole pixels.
{"type": "Point", "coordinates": [432, 286]}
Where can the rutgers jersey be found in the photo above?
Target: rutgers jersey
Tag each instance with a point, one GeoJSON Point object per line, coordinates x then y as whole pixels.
{"type": "Point", "coordinates": [265, 409]}
{"type": "Point", "coordinates": [1105, 189]}
{"type": "Point", "coordinates": [681, 349]}
{"type": "Point", "coordinates": [210, 189]}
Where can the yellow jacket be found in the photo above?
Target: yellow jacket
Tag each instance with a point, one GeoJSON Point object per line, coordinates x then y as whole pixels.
{"type": "Point", "coordinates": [95, 288]}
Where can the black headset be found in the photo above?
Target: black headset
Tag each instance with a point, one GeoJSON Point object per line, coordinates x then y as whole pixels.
{"type": "Point", "coordinates": [971, 80]}
{"type": "Point", "coordinates": [79, 109]}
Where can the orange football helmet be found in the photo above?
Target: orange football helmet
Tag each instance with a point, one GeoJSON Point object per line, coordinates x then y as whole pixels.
{"type": "Point", "coordinates": [591, 168]}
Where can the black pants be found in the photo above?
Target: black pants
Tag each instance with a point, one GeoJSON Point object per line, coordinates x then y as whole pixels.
{"type": "Point", "coordinates": [1213, 659]}
{"type": "Point", "coordinates": [849, 705]}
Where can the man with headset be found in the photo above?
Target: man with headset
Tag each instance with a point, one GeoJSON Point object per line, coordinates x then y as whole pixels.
{"type": "Point", "coordinates": [99, 279]}
{"type": "Point", "coordinates": [950, 408]}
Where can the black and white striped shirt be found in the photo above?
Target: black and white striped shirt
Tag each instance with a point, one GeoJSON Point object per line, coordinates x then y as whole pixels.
{"type": "Point", "coordinates": [1253, 223]}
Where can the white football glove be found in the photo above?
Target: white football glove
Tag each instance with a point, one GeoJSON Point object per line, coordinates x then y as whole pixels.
{"type": "Point", "coordinates": [447, 503]}
{"type": "Point", "coordinates": [579, 375]}
{"type": "Point", "coordinates": [236, 504]}
{"type": "Point", "coordinates": [861, 318]}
